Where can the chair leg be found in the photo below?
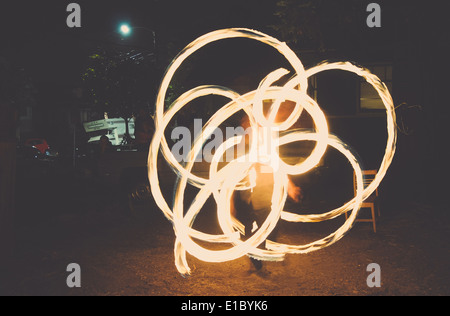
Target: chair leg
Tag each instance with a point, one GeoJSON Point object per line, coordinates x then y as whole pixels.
{"type": "Point", "coordinates": [373, 218]}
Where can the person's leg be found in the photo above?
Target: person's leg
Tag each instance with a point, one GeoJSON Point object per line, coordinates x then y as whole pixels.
{"type": "Point", "coordinates": [260, 217]}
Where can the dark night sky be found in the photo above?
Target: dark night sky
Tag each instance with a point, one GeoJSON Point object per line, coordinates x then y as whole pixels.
{"type": "Point", "coordinates": [35, 35]}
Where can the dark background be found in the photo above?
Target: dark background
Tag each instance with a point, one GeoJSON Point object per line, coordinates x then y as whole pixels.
{"type": "Point", "coordinates": [35, 37]}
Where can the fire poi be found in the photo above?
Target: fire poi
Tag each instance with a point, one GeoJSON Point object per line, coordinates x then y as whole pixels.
{"type": "Point", "coordinates": [222, 183]}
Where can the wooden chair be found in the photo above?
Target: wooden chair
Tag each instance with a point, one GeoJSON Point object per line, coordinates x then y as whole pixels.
{"type": "Point", "coordinates": [372, 201]}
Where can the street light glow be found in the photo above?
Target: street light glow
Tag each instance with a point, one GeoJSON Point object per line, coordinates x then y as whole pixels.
{"type": "Point", "coordinates": [125, 29]}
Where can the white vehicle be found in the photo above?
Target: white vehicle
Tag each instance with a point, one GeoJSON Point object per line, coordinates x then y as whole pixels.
{"type": "Point", "coordinates": [114, 129]}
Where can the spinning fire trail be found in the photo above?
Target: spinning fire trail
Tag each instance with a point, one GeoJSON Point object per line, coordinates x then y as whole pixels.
{"type": "Point", "coordinates": [220, 184]}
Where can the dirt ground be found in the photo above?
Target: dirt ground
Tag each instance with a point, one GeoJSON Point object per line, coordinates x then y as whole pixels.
{"type": "Point", "coordinates": [132, 254]}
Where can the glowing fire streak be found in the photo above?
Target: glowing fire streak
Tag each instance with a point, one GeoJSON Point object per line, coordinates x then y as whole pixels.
{"type": "Point", "coordinates": [222, 183]}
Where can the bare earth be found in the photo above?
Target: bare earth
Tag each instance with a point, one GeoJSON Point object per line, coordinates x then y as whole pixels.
{"type": "Point", "coordinates": [132, 254]}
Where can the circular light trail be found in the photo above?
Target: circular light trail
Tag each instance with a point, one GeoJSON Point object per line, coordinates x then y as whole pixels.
{"type": "Point", "coordinates": [220, 184]}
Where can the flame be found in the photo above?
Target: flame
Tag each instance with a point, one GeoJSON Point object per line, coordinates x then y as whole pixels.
{"type": "Point", "coordinates": [222, 183]}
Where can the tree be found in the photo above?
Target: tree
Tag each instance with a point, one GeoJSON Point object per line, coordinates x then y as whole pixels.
{"type": "Point", "coordinates": [120, 82]}
{"type": "Point", "coordinates": [317, 24]}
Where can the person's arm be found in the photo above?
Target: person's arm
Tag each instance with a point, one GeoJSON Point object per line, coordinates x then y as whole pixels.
{"type": "Point", "coordinates": [294, 191]}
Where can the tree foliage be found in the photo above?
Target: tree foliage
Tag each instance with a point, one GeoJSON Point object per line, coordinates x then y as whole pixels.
{"type": "Point", "coordinates": [316, 24]}
{"type": "Point", "coordinates": [119, 82]}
